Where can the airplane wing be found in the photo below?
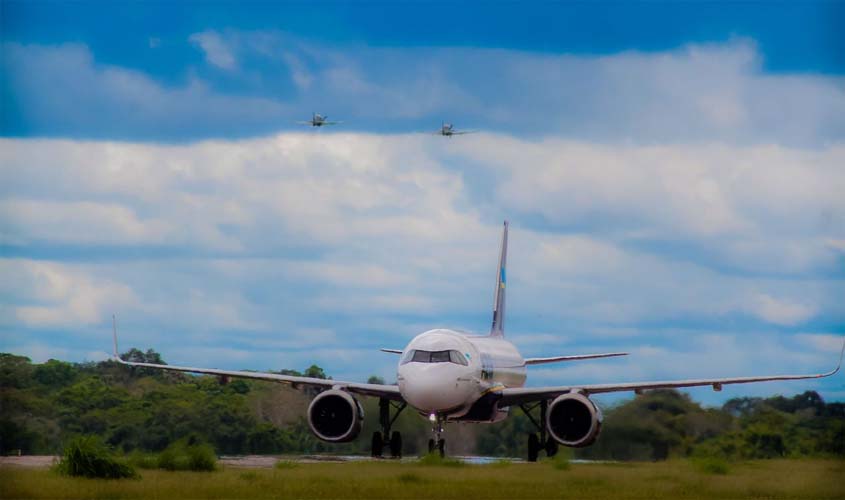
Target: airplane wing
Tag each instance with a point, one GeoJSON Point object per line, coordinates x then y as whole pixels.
{"type": "Point", "coordinates": [331, 123]}
{"type": "Point", "coordinates": [304, 122]}
{"type": "Point", "coordinates": [518, 395]}
{"type": "Point", "coordinates": [577, 357]}
{"type": "Point", "coordinates": [462, 132]}
{"type": "Point", "coordinates": [378, 390]}
{"type": "Point", "coordinates": [391, 351]}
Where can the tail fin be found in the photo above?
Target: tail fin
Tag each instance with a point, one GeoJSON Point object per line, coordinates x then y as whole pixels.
{"type": "Point", "coordinates": [498, 328]}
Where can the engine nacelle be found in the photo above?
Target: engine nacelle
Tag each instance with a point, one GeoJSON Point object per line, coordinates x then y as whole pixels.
{"type": "Point", "coordinates": [335, 416]}
{"type": "Point", "coordinates": [573, 420]}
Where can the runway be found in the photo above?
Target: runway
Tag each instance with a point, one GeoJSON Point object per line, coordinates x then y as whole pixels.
{"type": "Point", "coordinates": [258, 461]}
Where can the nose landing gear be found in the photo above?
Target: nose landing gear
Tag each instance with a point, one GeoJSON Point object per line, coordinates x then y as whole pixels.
{"type": "Point", "coordinates": [437, 443]}
{"type": "Point", "coordinates": [383, 438]}
{"type": "Point", "coordinates": [544, 441]}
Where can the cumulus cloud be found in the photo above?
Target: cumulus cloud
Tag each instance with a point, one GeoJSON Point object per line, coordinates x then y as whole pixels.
{"type": "Point", "coordinates": [363, 225]}
{"type": "Point", "coordinates": [216, 50]}
{"type": "Point", "coordinates": [62, 90]}
{"type": "Point", "coordinates": [664, 205]}
{"type": "Point", "coordinates": [779, 311]}
{"type": "Point", "coordinates": [702, 93]}
{"type": "Point", "coordinates": [47, 294]}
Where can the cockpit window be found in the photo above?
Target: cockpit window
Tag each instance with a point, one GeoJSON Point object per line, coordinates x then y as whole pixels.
{"type": "Point", "coordinates": [440, 357]}
{"type": "Point", "coordinates": [420, 356]}
{"type": "Point", "coordinates": [456, 357]}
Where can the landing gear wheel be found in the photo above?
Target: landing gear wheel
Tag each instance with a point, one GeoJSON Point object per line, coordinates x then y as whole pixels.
{"type": "Point", "coordinates": [441, 447]}
{"type": "Point", "coordinates": [551, 447]}
{"type": "Point", "coordinates": [430, 445]}
{"type": "Point", "coordinates": [396, 445]}
{"type": "Point", "coordinates": [377, 444]}
{"type": "Point", "coordinates": [533, 447]}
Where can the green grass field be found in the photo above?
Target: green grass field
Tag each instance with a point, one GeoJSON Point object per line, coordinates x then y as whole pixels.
{"type": "Point", "coordinates": [673, 479]}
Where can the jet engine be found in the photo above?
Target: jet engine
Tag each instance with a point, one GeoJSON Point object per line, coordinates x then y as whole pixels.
{"type": "Point", "coordinates": [335, 416]}
{"type": "Point", "coordinates": [573, 420]}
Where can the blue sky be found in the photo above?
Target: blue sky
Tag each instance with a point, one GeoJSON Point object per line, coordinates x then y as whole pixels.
{"type": "Point", "coordinates": [672, 173]}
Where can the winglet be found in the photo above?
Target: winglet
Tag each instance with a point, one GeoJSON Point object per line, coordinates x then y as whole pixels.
{"type": "Point", "coordinates": [841, 354]}
{"type": "Point", "coordinates": [498, 327]}
{"type": "Point", "coordinates": [114, 336]}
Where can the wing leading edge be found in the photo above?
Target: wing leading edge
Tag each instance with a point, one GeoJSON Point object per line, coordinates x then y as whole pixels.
{"type": "Point", "coordinates": [517, 395]}
{"type": "Point", "coordinates": [379, 390]}
{"type": "Point", "coordinates": [577, 357]}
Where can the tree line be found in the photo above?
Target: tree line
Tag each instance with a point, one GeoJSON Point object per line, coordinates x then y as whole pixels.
{"type": "Point", "coordinates": [132, 408]}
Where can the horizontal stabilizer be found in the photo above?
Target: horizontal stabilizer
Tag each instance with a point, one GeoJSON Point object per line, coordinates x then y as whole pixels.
{"type": "Point", "coordinates": [392, 351]}
{"type": "Point", "coordinates": [578, 357]}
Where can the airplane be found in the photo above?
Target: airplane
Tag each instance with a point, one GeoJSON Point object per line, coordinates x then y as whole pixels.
{"type": "Point", "coordinates": [451, 376]}
{"type": "Point", "coordinates": [448, 130]}
{"type": "Point", "coordinates": [318, 120]}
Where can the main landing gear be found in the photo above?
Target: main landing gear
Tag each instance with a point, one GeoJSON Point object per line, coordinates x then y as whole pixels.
{"type": "Point", "coordinates": [384, 438]}
{"type": "Point", "coordinates": [544, 441]}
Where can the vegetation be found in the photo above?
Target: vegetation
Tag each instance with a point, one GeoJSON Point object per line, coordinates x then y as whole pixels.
{"type": "Point", "coordinates": [144, 411]}
{"type": "Point", "coordinates": [676, 479]}
{"type": "Point", "coordinates": [188, 455]}
{"type": "Point", "coordinates": [86, 456]}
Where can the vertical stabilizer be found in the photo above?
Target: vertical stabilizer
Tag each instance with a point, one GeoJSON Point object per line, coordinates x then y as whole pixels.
{"type": "Point", "coordinates": [498, 328]}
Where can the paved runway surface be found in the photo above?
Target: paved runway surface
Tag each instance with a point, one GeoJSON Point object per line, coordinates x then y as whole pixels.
{"type": "Point", "coordinates": [249, 461]}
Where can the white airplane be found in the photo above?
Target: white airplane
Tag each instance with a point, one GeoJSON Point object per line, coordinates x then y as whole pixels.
{"type": "Point", "coordinates": [448, 130]}
{"type": "Point", "coordinates": [318, 120]}
{"type": "Point", "coordinates": [451, 376]}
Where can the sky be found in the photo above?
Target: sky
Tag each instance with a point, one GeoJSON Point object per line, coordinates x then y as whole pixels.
{"type": "Point", "coordinates": [672, 172]}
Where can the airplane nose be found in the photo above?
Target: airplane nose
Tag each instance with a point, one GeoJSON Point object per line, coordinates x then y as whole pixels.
{"type": "Point", "coordinates": [431, 392]}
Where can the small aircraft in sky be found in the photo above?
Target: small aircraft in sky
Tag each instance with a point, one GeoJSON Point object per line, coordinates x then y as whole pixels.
{"type": "Point", "coordinates": [452, 376]}
{"type": "Point", "coordinates": [448, 130]}
{"type": "Point", "coordinates": [318, 120]}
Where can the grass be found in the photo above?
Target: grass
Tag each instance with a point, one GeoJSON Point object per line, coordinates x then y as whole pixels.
{"type": "Point", "coordinates": [286, 464]}
{"type": "Point", "coordinates": [674, 479]}
{"type": "Point", "coordinates": [435, 460]}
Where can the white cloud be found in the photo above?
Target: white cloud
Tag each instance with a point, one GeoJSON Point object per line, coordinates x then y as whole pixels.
{"type": "Point", "coordinates": [216, 49]}
{"type": "Point", "coordinates": [44, 294]}
{"type": "Point", "coordinates": [678, 199]}
{"type": "Point", "coordinates": [391, 226]}
{"type": "Point", "coordinates": [67, 93]}
{"type": "Point", "coordinates": [700, 93]}
{"type": "Point", "coordinates": [821, 341]}
{"type": "Point", "coordinates": [779, 311]}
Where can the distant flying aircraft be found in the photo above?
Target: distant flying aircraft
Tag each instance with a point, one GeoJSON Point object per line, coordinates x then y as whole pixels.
{"type": "Point", "coordinates": [318, 120]}
{"type": "Point", "coordinates": [448, 130]}
{"type": "Point", "coordinates": [450, 376]}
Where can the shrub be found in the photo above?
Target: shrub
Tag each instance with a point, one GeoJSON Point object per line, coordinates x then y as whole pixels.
{"type": "Point", "coordinates": [712, 465]}
{"type": "Point", "coordinates": [184, 456]}
{"type": "Point", "coordinates": [87, 456]}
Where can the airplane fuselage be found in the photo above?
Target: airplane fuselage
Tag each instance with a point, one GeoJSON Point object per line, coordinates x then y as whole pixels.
{"type": "Point", "coordinates": [448, 373]}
